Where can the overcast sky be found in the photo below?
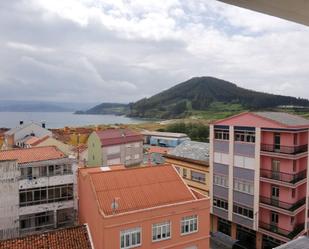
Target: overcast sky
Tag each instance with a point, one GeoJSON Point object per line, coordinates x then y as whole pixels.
{"type": "Point", "coordinates": [122, 50]}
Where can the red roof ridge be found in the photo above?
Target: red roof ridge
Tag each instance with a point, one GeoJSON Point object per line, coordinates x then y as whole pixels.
{"type": "Point", "coordinates": [131, 168]}
{"type": "Point", "coordinates": [33, 154]}
{"type": "Point", "coordinates": [253, 114]}
{"type": "Point", "coordinates": [31, 148]}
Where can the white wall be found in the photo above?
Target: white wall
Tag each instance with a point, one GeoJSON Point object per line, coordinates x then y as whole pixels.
{"type": "Point", "coordinates": [9, 199]}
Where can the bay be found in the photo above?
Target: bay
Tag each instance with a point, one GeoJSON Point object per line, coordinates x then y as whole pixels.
{"type": "Point", "coordinates": [61, 119]}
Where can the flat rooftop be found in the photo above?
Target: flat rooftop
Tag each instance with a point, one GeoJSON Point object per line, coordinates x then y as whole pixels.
{"type": "Point", "coordinates": [164, 134]}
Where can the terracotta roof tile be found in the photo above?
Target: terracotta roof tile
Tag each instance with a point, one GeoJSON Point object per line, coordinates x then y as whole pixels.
{"type": "Point", "coordinates": [118, 136]}
{"type": "Point", "coordinates": [32, 154]}
{"type": "Point", "coordinates": [139, 188]}
{"type": "Point", "coordinates": [67, 238]}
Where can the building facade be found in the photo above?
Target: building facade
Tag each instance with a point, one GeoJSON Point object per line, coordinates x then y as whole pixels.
{"type": "Point", "coordinates": [259, 187]}
{"type": "Point", "coordinates": [164, 139]}
{"type": "Point", "coordinates": [115, 146]}
{"type": "Point", "coordinates": [191, 159]}
{"type": "Point", "coordinates": [37, 191]}
{"type": "Point", "coordinates": [144, 207]}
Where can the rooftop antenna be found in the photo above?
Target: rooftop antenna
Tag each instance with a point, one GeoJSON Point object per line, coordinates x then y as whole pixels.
{"type": "Point", "coordinates": [115, 205]}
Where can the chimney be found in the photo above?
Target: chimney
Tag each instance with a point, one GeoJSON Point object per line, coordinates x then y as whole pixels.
{"type": "Point", "coordinates": [21, 122]}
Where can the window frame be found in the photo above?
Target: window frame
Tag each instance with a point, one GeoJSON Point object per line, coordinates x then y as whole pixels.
{"type": "Point", "coordinates": [223, 179]}
{"type": "Point", "coordinates": [161, 225]}
{"type": "Point", "coordinates": [198, 179]}
{"type": "Point", "coordinates": [188, 219]}
{"type": "Point", "coordinates": [129, 232]}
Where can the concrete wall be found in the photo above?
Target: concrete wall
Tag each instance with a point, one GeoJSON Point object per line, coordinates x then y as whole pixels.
{"type": "Point", "coordinates": [9, 199]}
{"type": "Point", "coordinates": [65, 148]}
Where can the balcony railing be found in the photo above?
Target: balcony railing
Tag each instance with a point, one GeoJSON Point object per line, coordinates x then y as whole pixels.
{"type": "Point", "coordinates": [286, 233]}
{"type": "Point", "coordinates": [283, 177]}
{"type": "Point", "coordinates": [292, 150]}
{"type": "Point", "coordinates": [280, 204]}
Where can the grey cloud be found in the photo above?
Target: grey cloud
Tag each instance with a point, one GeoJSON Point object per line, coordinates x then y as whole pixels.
{"type": "Point", "coordinates": [46, 57]}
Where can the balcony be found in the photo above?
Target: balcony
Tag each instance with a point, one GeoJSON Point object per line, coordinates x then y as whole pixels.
{"type": "Point", "coordinates": [290, 150]}
{"type": "Point", "coordinates": [283, 177]}
{"type": "Point", "coordinates": [280, 231]}
{"type": "Point", "coordinates": [280, 204]}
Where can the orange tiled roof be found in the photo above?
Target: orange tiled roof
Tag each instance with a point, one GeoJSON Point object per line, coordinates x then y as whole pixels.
{"type": "Point", "coordinates": [67, 238]}
{"type": "Point", "coordinates": [118, 136]}
{"type": "Point", "coordinates": [32, 154]}
{"type": "Point", "coordinates": [139, 188]}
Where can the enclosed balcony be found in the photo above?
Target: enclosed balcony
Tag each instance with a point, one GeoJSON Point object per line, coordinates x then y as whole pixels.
{"type": "Point", "coordinates": [290, 150]}
{"type": "Point", "coordinates": [283, 177]}
{"type": "Point", "coordinates": [283, 205]}
{"type": "Point", "coordinates": [280, 231]}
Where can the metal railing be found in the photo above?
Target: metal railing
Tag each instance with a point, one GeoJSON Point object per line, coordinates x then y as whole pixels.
{"type": "Point", "coordinates": [278, 230]}
{"type": "Point", "coordinates": [284, 177]}
{"type": "Point", "coordinates": [292, 150]}
{"type": "Point", "coordinates": [284, 205]}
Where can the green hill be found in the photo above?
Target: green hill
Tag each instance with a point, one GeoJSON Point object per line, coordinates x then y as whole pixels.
{"type": "Point", "coordinates": [107, 108]}
{"type": "Point", "coordinates": [202, 94]}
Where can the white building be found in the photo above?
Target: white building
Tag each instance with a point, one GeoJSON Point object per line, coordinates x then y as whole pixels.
{"type": "Point", "coordinates": [18, 136]}
{"type": "Point", "coordinates": [37, 191]}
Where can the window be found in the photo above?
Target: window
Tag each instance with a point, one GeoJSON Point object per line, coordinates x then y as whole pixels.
{"type": "Point", "coordinates": [244, 186]}
{"type": "Point", "coordinates": [294, 166]}
{"type": "Point", "coordinates": [161, 231]}
{"type": "Point", "coordinates": [189, 224]}
{"type": "Point", "coordinates": [36, 196]}
{"type": "Point", "coordinates": [184, 173]}
{"type": "Point", "coordinates": [295, 139]}
{"type": "Point", "coordinates": [222, 134]}
{"type": "Point", "coordinates": [245, 136]}
{"type": "Point", "coordinates": [36, 222]}
{"type": "Point", "coordinates": [220, 203]}
{"type": "Point", "coordinates": [51, 171]}
{"type": "Point", "coordinates": [275, 191]}
{"type": "Point", "coordinates": [58, 170]}
{"type": "Point", "coordinates": [274, 218]}
{"type": "Point", "coordinates": [293, 193]}
{"type": "Point", "coordinates": [43, 171]}
{"type": "Point", "coordinates": [178, 169]}
{"type": "Point", "coordinates": [197, 176]}
{"type": "Point", "coordinates": [244, 211]}
{"type": "Point", "coordinates": [221, 180]}
{"type": "Point", "coordinates": [292, 220]}
{"type": "Point", "coordinates": [130, 238]}
{"type": "Point", "coordinates": [67, 169]}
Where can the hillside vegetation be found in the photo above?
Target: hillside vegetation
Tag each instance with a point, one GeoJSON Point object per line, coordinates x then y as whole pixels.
{"type": "Point", "coordinates": [107, 108]}
{"type": "Point", "coordinates": [207, 96]}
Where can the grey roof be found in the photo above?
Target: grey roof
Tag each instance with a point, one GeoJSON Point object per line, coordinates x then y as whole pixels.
{"type": "Point", "coordinates": [164, 134]}
{"type": "Point", "coordinates": [20, 127]}
{"type": "Point", "coordinates": [284, 118]}
{"type": "Point", "coordinates": [192, 150]}
{"type": "Point", "coordinates": [299, 243]}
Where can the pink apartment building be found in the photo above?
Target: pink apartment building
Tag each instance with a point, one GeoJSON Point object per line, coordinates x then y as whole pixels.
{"type": "Point", "coordinates": [258, 168]}
{"type": "Point", "coordinates": [145, 207]}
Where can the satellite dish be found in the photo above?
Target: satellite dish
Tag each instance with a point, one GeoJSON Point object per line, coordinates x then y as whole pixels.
{"type": "Point", "coordinates": [114, 205]}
